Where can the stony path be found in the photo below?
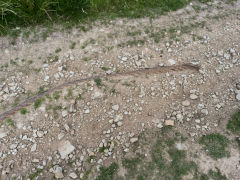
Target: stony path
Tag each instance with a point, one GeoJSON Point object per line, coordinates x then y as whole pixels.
{"type": "Point", "coordinates": [61, 133]}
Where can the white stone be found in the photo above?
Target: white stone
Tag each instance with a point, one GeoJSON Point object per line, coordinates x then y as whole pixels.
{"type": "Point", "coordinates": [119, 123]}
{"type": "Point", "coordinates": [46, 78]}
{"type": "Point", "coordinates": [238, 97]}
{"type": "Point", "coordinates": [87, 111]}
{"type": "Point", "coordinates": [58, 172]}
{"type": "Point", "coordinates": [133, 140]}
{"type": "Point", "coordinates": [97, 95]}
{"type": "Point", "coordinates": [186, 103]}
{"type": "Point", "coordinates": [193, 96]}
{"type": "Point", "coordinates": [65, 148]}
{"type": "Point", "coordinates": [119, 117]}
{"type": "Point", "coordinates": [115, 107]}
{"type": "Point", "coordinates": [179, 117]}
{"type": "Point", "coordinates": [34, 147]}
{"type": "Point", "coordinates": [40, 134]}
{"type": "Point", "coordinates": [60, 136]}
{"type": "Point", "coordinates": [73, 175]}
{"type": "Point", "coordinates": [204, 111]}
{"type": "Point", "coordinates": [124, 59]}
{"type": "Point", "coordinates": [159, 125]}
{"type": "Point", "coordinates": [64, 113]}
{"type": "Point", "coordinates": [171, 61]}
{"type": "Point", "coordinates": [197, 121]}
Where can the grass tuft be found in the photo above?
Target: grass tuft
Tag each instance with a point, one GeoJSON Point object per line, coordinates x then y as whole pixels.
{"type": "Point", "coordinates": [16, 13]}
{"type": "Point", "coordinates": [234, 124]}
{"type": "Point", "coordinates": [98, 82]}
{"type": "Point", "coordinates": [215, 145]}
{"type": "Point", "coordinates": [23, 111]}
{"type": "Point", "coordinates": [10, 122]}
{"type": "Point", "coordinates": [107, 173]}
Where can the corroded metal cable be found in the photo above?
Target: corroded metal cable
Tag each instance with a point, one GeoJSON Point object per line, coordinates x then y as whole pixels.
{"type": "Point", "coordinates": [158, 69]}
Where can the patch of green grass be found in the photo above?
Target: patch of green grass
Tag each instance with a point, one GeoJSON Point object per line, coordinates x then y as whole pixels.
{"type": "Point", "coordinates": [56, 95]}
{"type": "Point", "coordinates": [86, 59]}
{"type": "Point", "coordinates": [70, 163]}
{"type": "Point", "coordinates": [134, 33]}
{"type": "Point", "coordinates": [10, 122]}
{"type": "Point", "coordinates": [215, 145]}
{"type": "Point", "coordinates": [38, 102]}
{"type": "Point", "coordinates": [29, 13]}
{"type": "Point", "coordinates": [216, 175]}
{"type": "Point", "coordinates": [85, 177]}
{"type": "Point", "coordinates": [13, 62]}
{"type": "Point", "coordinates": [73, 44]}
{"type": "Point", "coordinates": [134, 42]}
{"type": "Point", "coordinates": [34, 175]}
{"type": "Point", "coordinates": [23, 111]}
{"type": "Point", "coordinates": [41, 90]}
{"type": "Point", "coordinates": [105, 68]}
{"type": "Point", "coordinates": [98, 82]}
{"type": "Point", "coordinates": [108, 172]}
{"type": "Point", "coordinates": [205, 1]}
{"type": "Point", "coordinates": [58, 50]}
{"type": "Point", "coordinates": [131, 166]}
{"type": "Point", "coordinates": [234, 124]}
{"type": "Point", "coordinates": [179, 166]}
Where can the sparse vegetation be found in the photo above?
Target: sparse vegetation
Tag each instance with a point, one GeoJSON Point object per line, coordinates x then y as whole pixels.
{"type": "Point", "coordinates": [105, 68]}
{"type": "Point", "coordinates": [98, 82]}
{"type": "Point", "coordinates": [234, 124]}
{"type": "Point", "coordinates": [23, 111]}
{"type": "Point", "coordinates": [10, 122]}
{"type": "Point", "coordinates": [107, 173]}
{"type": "Point", "coordinates": [58, 50]}
{"type": "Point", "coordinates": [38, 103]}
{"type": "Point", "coordinates": [73, 44]}
{"type": "Point", "coordinates": [34, 175]}
{"type": "Point", "coordinates": [56, 95]}
{"type": "Point", "coordinates": [216, 175]}
{"type": "Point", "coordinates": [215, 145]}
{"type": "Point", "coordinates": [24, 13]}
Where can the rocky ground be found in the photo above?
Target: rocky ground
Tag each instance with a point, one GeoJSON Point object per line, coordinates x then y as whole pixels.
{"type": "Point", "coordinates": [72, 132]}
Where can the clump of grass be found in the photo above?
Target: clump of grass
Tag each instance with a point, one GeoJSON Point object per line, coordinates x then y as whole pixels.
{"type": "Point", "coordinates": [216, 175]}
{"type": "Point", "coordinates": [38, 103]}
{"type": "Point", "coordinates": [131, 165]}
{"type": "Point", "coordinates": [98, 82]}
{"type": "Point", "coordinates": [72, 46]}
{"type": "Point", "coordinates": [108, 172]}
{"type": "Point", "coordinates": [23, 111]}
{"type": "Point", "coordinates": [58, 50]}
{"type": "Point", "coordinates": [56, 95]}
{"type": "Point", "coordinates": [215, 145]}
{"type": "Point", "coordinates": [105, 68]}
{"type": "Point", "coordinates": [24, 13]}
{"type": "Point", "coordinates": [205, 1]}
{"type": "Point", "coordinates": [41, 90]}
{"type": "Point", "coordinates": [34, 175]}
{"type": "Point", "coordinates": [234, 124]}
{"type": "Point", "coordinates": [10, 122]}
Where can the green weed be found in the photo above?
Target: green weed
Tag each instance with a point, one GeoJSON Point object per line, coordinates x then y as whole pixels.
{"type": "Point", "coordinates": [215, 145]}
{"type": "Point", "coordinates": [38, 102]}
{"type": "Point", "coordinates": [108, 172]}
{"type": "Point", "coordinates": [31, 12]}
{"type": "Point", "coordinates": [10, 122]}
{"type": "Point", "coordinates": [23, 111]}
{"type": "Point", "coordinates": [234, 124]}
{"type": "Point", "coordinates": [216, 175]}
{"type": "Point", "coordinates": [98, 82]}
